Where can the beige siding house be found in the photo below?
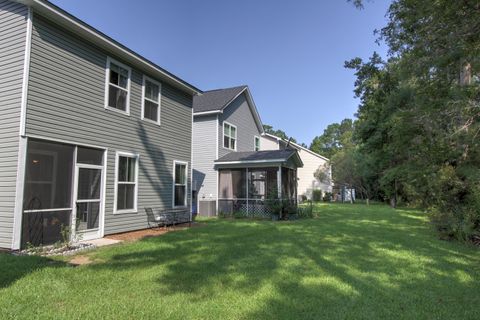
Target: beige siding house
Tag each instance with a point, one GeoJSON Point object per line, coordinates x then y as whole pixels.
{"type": "Point", "coordinates": [311, 163]}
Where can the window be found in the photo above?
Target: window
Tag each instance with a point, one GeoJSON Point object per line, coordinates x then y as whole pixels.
{"type": "Point", "coordinates": [118, 86]}
{"type": "Point", "coordinates": [126, 185]}
{"type": "Point", "coordinates": [151, 100]}
{"type": "Point", "coordinates": [257, 143]}
{"type": "Point", "coordinates": [180, 184]}
{"type": "Point", "coordinates": [229, 136]}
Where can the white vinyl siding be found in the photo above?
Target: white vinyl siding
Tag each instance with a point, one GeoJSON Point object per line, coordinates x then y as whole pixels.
{"type": "Point", "coordinates": [13, 35]}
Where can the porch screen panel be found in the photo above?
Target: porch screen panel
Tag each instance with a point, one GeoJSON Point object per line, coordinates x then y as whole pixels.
{"type": "Point", "coordinates": [47, 201]}
{"type": "Point", "coordinates": [48, 176]}
{"type": "Point", "coordinates": [262, 182]}
{"type": "Point", "coordinates": [288, 183]}
{"type": "Point", "coordinates": [232, 184]}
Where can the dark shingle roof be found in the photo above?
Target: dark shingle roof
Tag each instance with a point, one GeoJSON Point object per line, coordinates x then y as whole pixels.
{"type": "Point", "coordinates": [281, 155]}
{"type": "Point", "coordinates": [215, 99]}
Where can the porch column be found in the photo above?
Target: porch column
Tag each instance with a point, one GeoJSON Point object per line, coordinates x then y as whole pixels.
{"type": "Point", "coordinates": [279, 182]}
{"type": "Point", "coordinates": [296, 187]}
{"type": "Point", "coordinates": [247, 196]}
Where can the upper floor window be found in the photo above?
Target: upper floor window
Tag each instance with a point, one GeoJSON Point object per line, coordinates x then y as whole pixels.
{"type": "Point", "coordinates": [257, 143]}
{"type": "Point", "coordinates": [151, 100]}
{"type": "Point", "coordinates": [229, 136]}
{"type": "Point", "coordinates": [118, 86]}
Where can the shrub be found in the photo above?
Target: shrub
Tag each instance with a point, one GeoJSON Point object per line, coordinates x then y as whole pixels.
{"type": "Point", "coordinates": [317, 195]}
{"type": "Point", "coordinates": [303, 198]}
{"type": "Point", "coordinates": [305, 212]}
{"type": "Point", "coordinates": [328, 197]}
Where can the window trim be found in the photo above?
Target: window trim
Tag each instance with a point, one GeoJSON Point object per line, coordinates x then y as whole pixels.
{"type": "Point", "coordinates": [175, 162]}
{"type": "Point", "coordinates": [119, 154]}
{"type": "Point", "coordinates": [107, 85]}
{"type": "Point", "coordinates": [255, 143]}
{"type": "Point", "coordinates": [223, 136]}
{"type": "Point", "coordinates": [147, 78]}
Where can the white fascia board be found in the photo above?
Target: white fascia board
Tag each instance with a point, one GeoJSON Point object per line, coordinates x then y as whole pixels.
{"type": "Point", "coordinates": [254, 110]}
{"type": "Point", "coordinates": [206, 113]}
{"type": "Point", "coordinates": [251, 161]}
{"type": "Point", "coordinates": [296, 145]}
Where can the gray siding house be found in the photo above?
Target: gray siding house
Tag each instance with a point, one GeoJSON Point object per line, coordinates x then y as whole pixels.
{"type": "Point", "coordinates": [90, 132]}
{"type": "Point", "coordinates": [233, 174]}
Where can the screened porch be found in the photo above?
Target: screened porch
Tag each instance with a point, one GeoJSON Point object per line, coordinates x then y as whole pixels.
{"type": "Point", "coordinates": [251, 183]}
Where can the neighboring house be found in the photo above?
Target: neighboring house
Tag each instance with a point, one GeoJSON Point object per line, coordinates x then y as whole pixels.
{"type": "Point", "coordinates": [90, 132]}
{"type": "Point", "coordinates": [311, 163]}
{"type": "Point", "coordinates": [232, 174]}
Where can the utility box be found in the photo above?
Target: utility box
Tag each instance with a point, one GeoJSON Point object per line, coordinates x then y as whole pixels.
{"type": "Point", "coordinates": [207, 208]}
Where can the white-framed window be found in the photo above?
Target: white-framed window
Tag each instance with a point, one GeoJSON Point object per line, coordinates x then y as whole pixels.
{"type": "Point", "coordinates": [151, 99]}
{"type": "Point", "coordinates": [256, 143]}
{"type": "Point", "coordinates": [229, 136]}
{"type": "Point", "coordinates": [180, 183]}
{"type": "Point", "coordinates": [117, 87]}
{"type": "Point", "coordinates": [126, 182]}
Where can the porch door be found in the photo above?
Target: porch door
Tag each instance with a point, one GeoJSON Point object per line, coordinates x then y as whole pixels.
{"type": "Point", "coordinates": [88, 201]}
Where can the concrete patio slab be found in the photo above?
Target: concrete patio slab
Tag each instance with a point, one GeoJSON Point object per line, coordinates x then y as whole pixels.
{"type": "Point", "coordinates": [102, 242]}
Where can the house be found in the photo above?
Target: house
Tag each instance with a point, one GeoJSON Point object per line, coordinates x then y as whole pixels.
{"type": "Point", "coordinates": [90, 131]}
{"type": "Point", "coordinates": [311, 163]}
{"type": "Point", "coordinates": [233, 173]}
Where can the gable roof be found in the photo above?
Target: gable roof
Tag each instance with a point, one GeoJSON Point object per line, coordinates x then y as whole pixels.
{"type": "Point", "coordinates": [266, 156]}
{"type": "Point", "coordinates": [295, 145]}
{"type": "Point", "coordinates": [216, 101]}
{"type": "Point", "coordinates": [84, 30]}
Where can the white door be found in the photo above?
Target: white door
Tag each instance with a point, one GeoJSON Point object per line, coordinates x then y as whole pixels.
{"type": "Point", "coordinates": [87, 212]}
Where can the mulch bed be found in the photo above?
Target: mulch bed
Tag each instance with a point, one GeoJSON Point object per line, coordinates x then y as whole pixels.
{"type": "Point", "coordinates": [155, 232]}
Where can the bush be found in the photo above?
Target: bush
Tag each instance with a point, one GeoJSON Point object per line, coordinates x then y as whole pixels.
{"type": "Point", "coordinates": [303, 198]}
{"type": "Point", "coordinates": [305, 212]}
{"type": "Point", "coordinates": [328, 197]}
{"type": "Point", "coordinates": [317, 195]}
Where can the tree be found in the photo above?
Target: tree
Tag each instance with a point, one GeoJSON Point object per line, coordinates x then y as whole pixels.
{"type": "Point", "coordinates": [279, 133]}
{"type": "Point", "coordinates": [335, 137]}
{"type": "Point", "coordinates": [419, 118]}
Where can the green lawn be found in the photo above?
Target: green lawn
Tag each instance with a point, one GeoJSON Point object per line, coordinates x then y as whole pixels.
{"type": "Point", "coordinates": [353, 262]}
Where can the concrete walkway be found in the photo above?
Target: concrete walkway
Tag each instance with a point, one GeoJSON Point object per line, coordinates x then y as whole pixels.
{"type": "Point", "coordinates": [102, 242]}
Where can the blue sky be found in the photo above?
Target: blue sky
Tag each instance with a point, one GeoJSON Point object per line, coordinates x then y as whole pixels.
{"type": "Point", "coordinates": [290, 53]}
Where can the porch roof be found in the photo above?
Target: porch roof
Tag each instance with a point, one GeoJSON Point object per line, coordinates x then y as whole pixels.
{"type": "Point", "coordinates": [286, 157]}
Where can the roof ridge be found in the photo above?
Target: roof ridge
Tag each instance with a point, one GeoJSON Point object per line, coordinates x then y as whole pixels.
{"type": "Point", "coordinates": [229, 88]}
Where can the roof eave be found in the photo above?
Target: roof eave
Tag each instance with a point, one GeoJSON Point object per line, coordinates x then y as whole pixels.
{"type": "Point", "coordinates": [86, 31]}
{"type": "Point", "coordinates": [207, 113]}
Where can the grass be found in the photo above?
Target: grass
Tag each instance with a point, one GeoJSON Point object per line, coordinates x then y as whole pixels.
{"type": "Point", "coordinates": [353, 262]}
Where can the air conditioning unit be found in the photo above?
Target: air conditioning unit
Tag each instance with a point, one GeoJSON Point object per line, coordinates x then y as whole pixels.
{"type": "Point", "coordinates": [207, 208]}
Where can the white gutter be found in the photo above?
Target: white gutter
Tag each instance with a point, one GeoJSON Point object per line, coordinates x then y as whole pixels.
{"type": "Point", "coordinates": [205, 113]}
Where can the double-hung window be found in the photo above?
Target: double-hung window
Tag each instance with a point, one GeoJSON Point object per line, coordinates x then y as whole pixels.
{"type": "Point", "coordinates": [151, 100]}
{"type": "Point", "coordinates": [118, 86]}
{"type": "Point", "coordinates": [126, 185]}
{"type": "Point", "coordinates": [180, 184]}
{"type": "Point", "coordinates": [229, 136]}
{"type": "Point", "coordinates": [257, 143]}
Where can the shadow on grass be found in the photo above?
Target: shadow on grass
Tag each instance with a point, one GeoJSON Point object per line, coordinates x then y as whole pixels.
{"type": "Point", "coordinates": [13, 268]}
{"type": "Point", "coordinates": [359, 263]}
{"type": "Point", "coordinates": [346, 262]}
